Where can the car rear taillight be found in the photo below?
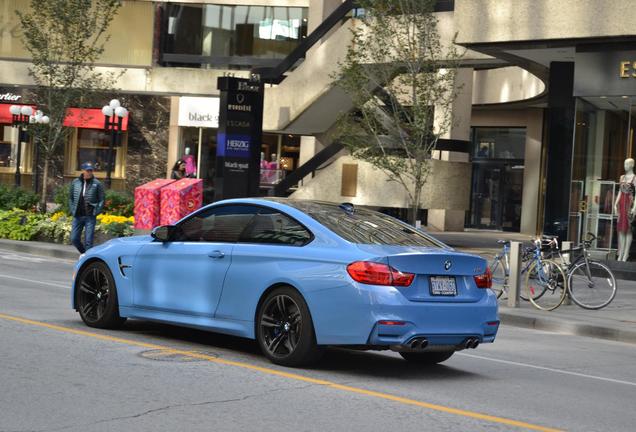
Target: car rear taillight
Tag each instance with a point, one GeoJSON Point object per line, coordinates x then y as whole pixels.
{"type": "Point", "coordinates": [484, 280]}
{"type": "Point", "coordinates": [373, 273]}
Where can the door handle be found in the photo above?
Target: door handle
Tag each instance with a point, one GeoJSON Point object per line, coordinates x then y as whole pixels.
{"type": "Point", "coordinates": [216, 254]}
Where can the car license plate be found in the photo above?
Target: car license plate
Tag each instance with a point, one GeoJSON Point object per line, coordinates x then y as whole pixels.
{"type": "Point", "coordinates": [443, 286]}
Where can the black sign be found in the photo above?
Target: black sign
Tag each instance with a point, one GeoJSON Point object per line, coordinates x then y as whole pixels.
{"type": "Point", "coordinates": [606, 73]}
{"type": "Point", "coordinates": [239, 138]}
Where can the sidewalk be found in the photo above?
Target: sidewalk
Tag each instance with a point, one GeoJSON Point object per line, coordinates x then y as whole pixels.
{"type": "Point", "coordinates": [615, 322]}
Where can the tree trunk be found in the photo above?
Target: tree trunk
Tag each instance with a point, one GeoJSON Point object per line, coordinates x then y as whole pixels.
{"type": "Point", "coordinates": [415, 205]}
{"type": "Point", "coordinates": [45, 180]}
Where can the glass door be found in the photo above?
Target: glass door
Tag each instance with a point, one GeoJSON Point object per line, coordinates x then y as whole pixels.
{"type": "Point", "coordinates": [496, 196]}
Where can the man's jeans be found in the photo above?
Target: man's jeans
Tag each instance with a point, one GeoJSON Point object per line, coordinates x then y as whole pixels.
{"type": "Point", "coordinates": [80, 223]}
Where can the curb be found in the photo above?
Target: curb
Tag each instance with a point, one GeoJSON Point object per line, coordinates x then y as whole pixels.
{"type": "Point", "coordinates": [37, 249]}
{"type": "Point", "coordinates": [569, 327]}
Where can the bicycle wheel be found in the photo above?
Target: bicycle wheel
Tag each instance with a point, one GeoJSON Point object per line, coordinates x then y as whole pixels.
{"type": "Point", "coordinates": [499, 278]}
{"type": "Point", "coordinates": [545, 285]}
{"type": "Point", "coordinates": [525, 267]}
{"type": "Point", "coordinates": [593, 292]}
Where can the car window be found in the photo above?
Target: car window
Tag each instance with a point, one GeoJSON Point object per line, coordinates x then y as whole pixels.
{"type": "Point", "coordinates": [364, 226]}
{"type": "Point", "coordinates": [272, 227]}
{"type": "Point", "coordinates": [218, 224]}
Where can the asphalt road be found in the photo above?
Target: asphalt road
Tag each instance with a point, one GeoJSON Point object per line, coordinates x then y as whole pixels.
{"type": "Point", "coordinates": [58, 375]}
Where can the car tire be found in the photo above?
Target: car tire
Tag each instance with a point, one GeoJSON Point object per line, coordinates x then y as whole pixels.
{"type": "Point", "coordinates": [429, 358]}
{"type": "Point", "coordinates": [284, 329]}
{"type": "Point", "coordinates": [96, 297]}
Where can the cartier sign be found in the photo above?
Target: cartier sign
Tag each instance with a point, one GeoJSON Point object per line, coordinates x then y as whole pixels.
{"type": "Point", "coordinates": [9, 97]}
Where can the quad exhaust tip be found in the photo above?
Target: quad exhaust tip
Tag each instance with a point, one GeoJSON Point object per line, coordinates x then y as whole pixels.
{"type": "Point", "coordinates": [471, 343]}
{"type": "Point", "coordinates": [418, 344]}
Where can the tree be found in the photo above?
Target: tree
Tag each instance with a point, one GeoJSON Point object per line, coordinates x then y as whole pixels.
{"type": "Point", "coordinates": [401, 80]}
{"type": "Point", "coordinates": [65, 38]}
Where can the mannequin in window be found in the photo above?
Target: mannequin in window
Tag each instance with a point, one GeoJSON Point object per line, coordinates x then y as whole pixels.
{"type": "Point", "coordinates": [191, 163]}
{"type": "Point", "coordinates": [625, 208]}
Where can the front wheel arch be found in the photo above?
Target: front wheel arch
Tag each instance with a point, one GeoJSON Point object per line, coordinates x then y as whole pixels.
{"type": "Point", "coordinates": [79, 272]}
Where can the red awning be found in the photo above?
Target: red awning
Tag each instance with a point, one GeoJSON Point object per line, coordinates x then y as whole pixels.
{"type": "Point", "coordinates": [5, 114]}
{"type": "Point", "coordinates": [87, 118]}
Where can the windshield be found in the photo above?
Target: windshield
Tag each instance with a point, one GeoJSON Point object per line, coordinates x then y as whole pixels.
{"type": "Point", "coordinates": [363, 226]}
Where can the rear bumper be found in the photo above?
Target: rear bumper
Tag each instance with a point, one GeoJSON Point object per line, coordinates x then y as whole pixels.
{"type": "Point", "coordinates": [350, 316]}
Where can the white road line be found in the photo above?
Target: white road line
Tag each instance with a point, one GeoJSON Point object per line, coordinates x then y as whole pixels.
{"type": "Point", "coordinates": [561, 371]}
{"type": "Point", "coordinates": [36, 281]}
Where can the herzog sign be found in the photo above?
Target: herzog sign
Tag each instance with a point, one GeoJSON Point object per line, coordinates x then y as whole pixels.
{"type": "Point", "coordinates": [200, 112]}
{"type": "Point", "coordinates": [605, 73]}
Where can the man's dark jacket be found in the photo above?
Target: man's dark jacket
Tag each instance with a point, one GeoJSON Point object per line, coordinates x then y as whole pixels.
{"type": "Point", "coordinates": [93, 198]}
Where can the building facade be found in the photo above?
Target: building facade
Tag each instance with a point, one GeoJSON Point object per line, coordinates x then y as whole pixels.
{"type": "Point", "coordinates": [545, 118]}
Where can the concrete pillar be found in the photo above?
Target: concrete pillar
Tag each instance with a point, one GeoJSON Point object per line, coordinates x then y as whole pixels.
{"type": "Point", "coordinates": [446, 219]}
{"type": "Point", "coordinates": [173, 135]}
{"type": "Point", "coordinates": [531, 172]}
{"type": "Point", "coordinates": [318, 11]}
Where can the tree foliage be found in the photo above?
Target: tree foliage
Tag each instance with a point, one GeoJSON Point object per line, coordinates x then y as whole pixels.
{"type": "Point", "coordinates": [401, 79]}
{"type": "Point", "coordinates": [65, 38]}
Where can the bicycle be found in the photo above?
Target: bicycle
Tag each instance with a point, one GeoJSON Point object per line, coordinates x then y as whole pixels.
{"type": "Point", "coordinates": [590, 283]}
{"type": "Point", "coordinates": [500, 268]}
{"type": "Point", "coordinates": [546, 282]}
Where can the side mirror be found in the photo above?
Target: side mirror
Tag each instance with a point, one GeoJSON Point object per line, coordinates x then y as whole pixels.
{"type": "Point", "coordinates": [163, 233]}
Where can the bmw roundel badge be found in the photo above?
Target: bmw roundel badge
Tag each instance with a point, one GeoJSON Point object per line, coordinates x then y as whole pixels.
{"type": "Point", "coordinates": [447, 265]}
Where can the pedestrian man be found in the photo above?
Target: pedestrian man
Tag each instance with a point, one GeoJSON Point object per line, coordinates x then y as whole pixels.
{"type": "Point", "coordinates": [86, 201]}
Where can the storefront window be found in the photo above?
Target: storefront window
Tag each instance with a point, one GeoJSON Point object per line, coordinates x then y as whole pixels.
{"type": "Point", "coordinates": [92, 145]}
{"type": "Point", "coordinates": [499, 143]}
{"type": "Point", "coordinates": [603, 139]}
{"type": "Point", "coordinates": [233, 36]}
{"type": "Point", "coordinates": [7, 148]}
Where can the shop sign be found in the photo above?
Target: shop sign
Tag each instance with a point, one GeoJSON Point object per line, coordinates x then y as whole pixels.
{"type": "Point", "coordinates": [239, 137]}
{"type": "Point", "coordinates": [9, 97]}
{"type": "Point", "coordinates": [627, 69]}
{"type": "Point", "coordinates": [605, 73]}
{"type": "Point", "coordinates": [200, 112]}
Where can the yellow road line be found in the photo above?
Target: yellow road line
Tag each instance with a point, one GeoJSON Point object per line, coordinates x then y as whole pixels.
{"type": "Point", "coordinates": [333, 385]}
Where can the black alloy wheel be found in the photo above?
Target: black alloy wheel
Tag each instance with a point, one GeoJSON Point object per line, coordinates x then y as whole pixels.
{"type": "Point", "coordinates": [284, 329]}
{"type": "Point", "coordinates": [96, 297]}
{"type": "Point", "coordinates": [428, 358]}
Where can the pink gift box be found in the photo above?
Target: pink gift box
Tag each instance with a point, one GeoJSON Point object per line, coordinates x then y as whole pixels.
{"type": "Point", "coordinates": [148, 204]}
{"type": "Point", "coordinates": [179, 199]}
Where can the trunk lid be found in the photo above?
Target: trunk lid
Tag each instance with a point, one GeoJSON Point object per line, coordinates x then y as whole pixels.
{"type": "Point", "coordinates": [435, 271]}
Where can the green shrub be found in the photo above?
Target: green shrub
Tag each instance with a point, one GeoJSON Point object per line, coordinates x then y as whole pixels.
{"type": "Point", "coordinates": [19, 224]}
{"type": "Point", "coordinates": [116, 229]}
{"type": "Point", "coordinates": [61, 197]}
{"type": "Point", "coordinates": [117, 203]}
{"type": "Point", "coordinates": [57, 231]}
{"type": "Point", "coordinates": [19, 198]}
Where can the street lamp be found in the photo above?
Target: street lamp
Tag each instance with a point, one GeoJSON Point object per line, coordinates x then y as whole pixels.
{"type": "Point", "coordinates": [40, 119]}
{"type": "Point", "coordinates": [114, 115]}
{"type": "Point", "coordinates": [20, 115]}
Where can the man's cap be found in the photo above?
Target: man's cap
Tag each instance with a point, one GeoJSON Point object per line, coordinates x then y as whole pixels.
{"type": "Point", "coordinates": [87, 166]}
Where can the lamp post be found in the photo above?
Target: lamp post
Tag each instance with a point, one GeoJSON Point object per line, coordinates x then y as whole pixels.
{"type": "Point", "coordinates": [114, 115]}
{"type": "Point", "coordinates": [40, 119]}
{"type": "Point", "coordinates": [20, 115]}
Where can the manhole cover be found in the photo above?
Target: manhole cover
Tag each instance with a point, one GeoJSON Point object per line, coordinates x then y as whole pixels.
{"type": "Point", "coordinates": [172, 356]}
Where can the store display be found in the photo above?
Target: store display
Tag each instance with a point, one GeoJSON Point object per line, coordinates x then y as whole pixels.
{"type": "Point", "coordinates": [625, 208]}
{"type": "Point", "coordinates": [180, 199]}
{"type": "Point", "coordinates": [148, 204]}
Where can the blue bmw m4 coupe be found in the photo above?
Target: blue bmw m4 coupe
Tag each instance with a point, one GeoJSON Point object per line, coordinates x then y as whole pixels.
{"type": "Point", "coordinates": [297, 276]}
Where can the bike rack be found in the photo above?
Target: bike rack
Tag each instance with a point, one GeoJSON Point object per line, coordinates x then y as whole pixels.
{"type": "Point", "coordinates": [514, 279]}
